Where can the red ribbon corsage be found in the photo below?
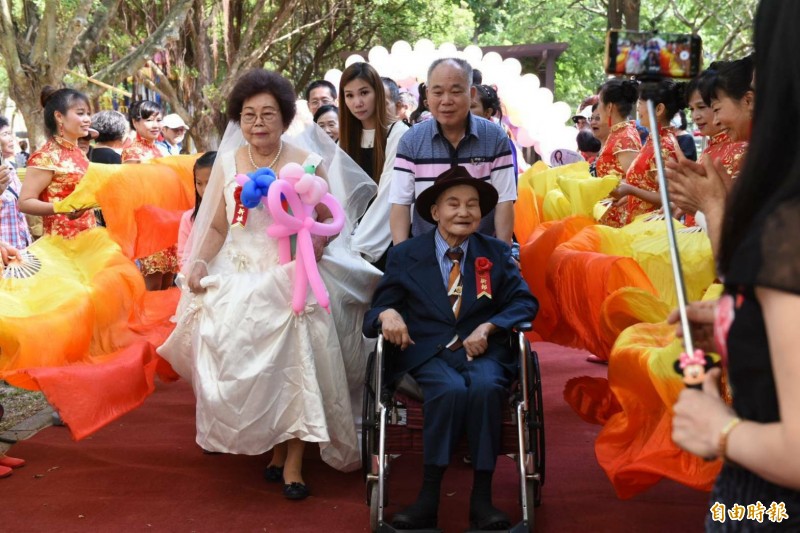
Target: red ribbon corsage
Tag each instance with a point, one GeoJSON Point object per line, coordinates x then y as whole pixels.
{"type": "Point", "coordinates": [239, 210]}
{"type": "Point", "coordinates": [483, 281]}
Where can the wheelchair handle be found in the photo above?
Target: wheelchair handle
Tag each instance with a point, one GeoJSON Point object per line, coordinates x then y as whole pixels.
{"type": "Point", "coordinates": [523, 326]}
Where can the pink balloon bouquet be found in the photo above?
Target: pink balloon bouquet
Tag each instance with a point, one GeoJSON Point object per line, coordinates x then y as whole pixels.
{"type": "Point", "coordinates": [302, 191]}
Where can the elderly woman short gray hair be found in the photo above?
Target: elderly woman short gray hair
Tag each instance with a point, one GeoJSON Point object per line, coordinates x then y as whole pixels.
{"type": "Point", "coordinates": [111, 125]}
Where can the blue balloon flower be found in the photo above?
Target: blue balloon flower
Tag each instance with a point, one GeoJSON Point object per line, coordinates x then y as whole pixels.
{"type": "Point", "coordinates": [257, 187]}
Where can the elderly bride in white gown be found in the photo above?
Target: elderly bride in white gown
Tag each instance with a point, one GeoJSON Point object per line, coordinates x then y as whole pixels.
{"type": "Point", "coordinates": [264, 377]}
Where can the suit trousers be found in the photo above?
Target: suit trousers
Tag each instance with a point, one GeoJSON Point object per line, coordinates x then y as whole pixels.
{"type": "Point", "coordinates": [462, 395]}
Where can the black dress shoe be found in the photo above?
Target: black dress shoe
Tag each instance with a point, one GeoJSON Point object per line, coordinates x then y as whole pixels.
{"type": "Point", "coordinates": [489, 519]}
{"type": "Point", "coordinates": [295, 491]}
{"type": "Point", "coordinates": [412, 517]}
{"type": "Point", "coordinates": [273, 473]}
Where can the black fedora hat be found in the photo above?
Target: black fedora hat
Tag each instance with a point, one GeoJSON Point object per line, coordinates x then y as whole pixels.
{"type": "Point", "coordinates": [450, 178]}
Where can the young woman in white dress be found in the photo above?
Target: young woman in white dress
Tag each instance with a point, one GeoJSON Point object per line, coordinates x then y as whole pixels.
{"type": "Point", "coordinates": [370, 135]}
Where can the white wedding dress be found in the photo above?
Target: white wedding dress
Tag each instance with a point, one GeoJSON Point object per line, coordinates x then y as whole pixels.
{"type": "Point", "coordinates": [261, 374]}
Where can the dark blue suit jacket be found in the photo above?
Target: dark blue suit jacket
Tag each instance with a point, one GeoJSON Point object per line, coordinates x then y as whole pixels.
{"type": "Point", "coordinates": [413, 286]}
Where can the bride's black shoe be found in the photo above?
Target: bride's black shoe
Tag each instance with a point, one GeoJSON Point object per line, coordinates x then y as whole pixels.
{"type": "Point", "coordinates": [296, 491]}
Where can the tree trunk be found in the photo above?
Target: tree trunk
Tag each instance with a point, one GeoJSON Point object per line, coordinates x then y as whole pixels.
{"type": "Point", "coordinates": [615, 14]}
{"type": "Point", "coordinates": [33, 114]}
{"type": "Point", "coordinates": [205, 130]}
{"type": "Point", "coordinates": [631, 9]}
{"type": "Point", "coordinates": [205, 133]}
{"type": "Point", "coordinates": [30, 69]}
{"type": "Point", "coordinates": [623, 9]}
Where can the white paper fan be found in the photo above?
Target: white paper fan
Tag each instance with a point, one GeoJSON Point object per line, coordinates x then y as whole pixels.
{"type": "Point", "coordinates": [24, 265]}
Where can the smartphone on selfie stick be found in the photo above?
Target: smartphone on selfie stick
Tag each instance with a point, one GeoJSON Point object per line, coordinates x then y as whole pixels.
{"type": "Point", "coordinates": [650, 57]}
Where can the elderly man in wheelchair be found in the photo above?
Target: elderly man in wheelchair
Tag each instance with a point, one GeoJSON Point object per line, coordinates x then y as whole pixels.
{"type": "Point", "coordinates": [448, 301]}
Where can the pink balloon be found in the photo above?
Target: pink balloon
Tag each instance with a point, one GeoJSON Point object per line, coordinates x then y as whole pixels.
{"type": "Point", "coordinates": [311, 188]}
{"type": "Point", "coordinates": [408, 83]}
{"type": "Point", "coordinates": [524, 138]}
{"type": "Point", "coordinates": [301, 222]}
{"type": "Point", "coordinates": [292, 172]}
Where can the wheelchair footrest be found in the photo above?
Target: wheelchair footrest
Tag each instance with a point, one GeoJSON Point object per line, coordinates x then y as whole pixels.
{"type": "Point", "coordinates": [519, 528]}
{"type": "Point", "coordinates": [387, 528]}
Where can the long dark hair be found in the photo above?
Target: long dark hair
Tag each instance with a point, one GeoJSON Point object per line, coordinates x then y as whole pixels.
{"type": "Point", "coordinates": [204, 161]}
{"type": "Point", "coordinates": [350, 127]}
{"type": "Point", "coordinates": [771, 171]}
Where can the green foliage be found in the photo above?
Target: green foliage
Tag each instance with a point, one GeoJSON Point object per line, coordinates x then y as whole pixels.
{"type": "Point", "coordinates": [313, 40]}
{"type": "Point", "coordinates": [437, 20]}
{"type": "Point", "coordinates": [579, 70]}
{"type": "Point", "coordinates": [724, 25]}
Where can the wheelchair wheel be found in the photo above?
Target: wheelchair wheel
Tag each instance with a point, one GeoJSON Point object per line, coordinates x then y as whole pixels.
{"type": "Point", "coordinates": [531, 490]}
{"type": "Point", "coordinates": [369, 421]}
{"type": "Point", "coordinates": [536, 427]}
{"type": "Point", "coordinates": [372, 499]}
{"type": "Point", "coordinates": [538, 409]}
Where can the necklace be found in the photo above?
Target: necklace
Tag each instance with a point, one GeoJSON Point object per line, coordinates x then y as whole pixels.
{"type": "Point", "coordinates": [271, 165]}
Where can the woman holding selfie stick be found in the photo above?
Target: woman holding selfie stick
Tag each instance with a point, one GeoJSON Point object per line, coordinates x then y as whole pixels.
{"type": "Point", "coordinates": [756, 326]}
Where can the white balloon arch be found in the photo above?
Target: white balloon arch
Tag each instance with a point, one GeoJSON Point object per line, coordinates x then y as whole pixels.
{"type": "Point", "coordinates": [529, 109]}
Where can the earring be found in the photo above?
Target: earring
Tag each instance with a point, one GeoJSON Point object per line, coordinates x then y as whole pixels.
{"type": "Point", "coordinates": [609, 120]}
{"type": "Point", "coordinates": [60, 129]}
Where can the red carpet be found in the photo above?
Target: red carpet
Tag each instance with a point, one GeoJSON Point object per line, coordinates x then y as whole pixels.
{"type": "Point", "coordinates": [144, 473]}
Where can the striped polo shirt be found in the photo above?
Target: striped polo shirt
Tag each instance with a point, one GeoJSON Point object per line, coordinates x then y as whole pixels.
{"type": "Point", "coordinates": [424, 153]}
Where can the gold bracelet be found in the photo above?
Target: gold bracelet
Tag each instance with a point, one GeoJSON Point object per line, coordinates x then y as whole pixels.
{"type": "Point", "coordinates": [722, 446]}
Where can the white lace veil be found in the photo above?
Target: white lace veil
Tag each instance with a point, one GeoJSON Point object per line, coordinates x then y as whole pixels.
{"type": "Point", "coordinates": [347, 181]}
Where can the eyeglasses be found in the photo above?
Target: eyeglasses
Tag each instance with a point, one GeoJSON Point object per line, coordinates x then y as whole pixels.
{"type": "Point", "coordinates": [595, 118]}
{"type": "Point", "coordinates": [266, 118]}
{"type": "Point", "coordinates": [320, 101]}
{"type": "Point", "coordinates": [177, 130]}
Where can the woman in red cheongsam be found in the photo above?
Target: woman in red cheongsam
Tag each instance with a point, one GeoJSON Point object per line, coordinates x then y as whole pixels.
{"type": "Point", "coordinates": [720, 147]}
{"type": "Point", "coordinates": [728, 92]}
{"type": "Point", "coordinates": [639, 193]}
{"type": "Point", "coordinates": [145, 116]}
{"type": "Point", "coordinates": [731, 98]}
{"type": "Point", "coordinates": [617, 99]}
{"type": "Point", "coordinates": [56, 168]}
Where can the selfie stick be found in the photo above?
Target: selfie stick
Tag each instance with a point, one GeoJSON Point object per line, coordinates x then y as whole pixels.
{"type": "Point", "coordinates": [677, 270]}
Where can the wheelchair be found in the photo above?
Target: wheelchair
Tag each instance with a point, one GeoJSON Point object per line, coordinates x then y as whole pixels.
{"type": "Point", "coordinates": [392, 425]}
